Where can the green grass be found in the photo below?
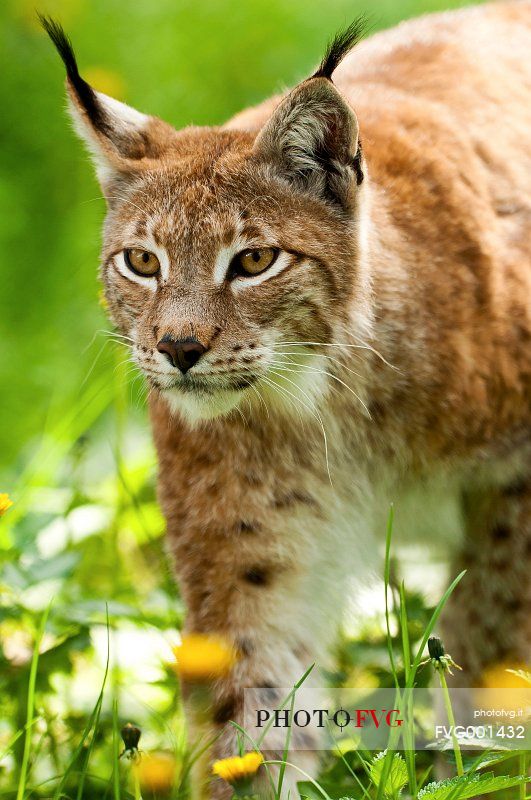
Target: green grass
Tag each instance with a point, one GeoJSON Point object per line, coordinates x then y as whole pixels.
{"type": "Point", "coordinates": [57, 744]}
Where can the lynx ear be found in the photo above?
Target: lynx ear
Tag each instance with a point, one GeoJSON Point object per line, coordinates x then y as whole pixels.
{"type": "Point", "coordinates": [118, 137]}
{"type": "Point", "coordinates": [312, 137]}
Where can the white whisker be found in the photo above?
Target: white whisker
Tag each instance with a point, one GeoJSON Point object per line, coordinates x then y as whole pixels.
{"type": "Point", "coordinates": [283, 393]}
{"type": "Point", "coordinates": [323, 355]}
{"type": "Point", "coordinates": [363, 346]}
{"type": "Point", "coordinates": [261, 399]}
{"type": "Point", "coordinates": [314, 413]}
{"type": "Point", "coordinates": [317, 371]}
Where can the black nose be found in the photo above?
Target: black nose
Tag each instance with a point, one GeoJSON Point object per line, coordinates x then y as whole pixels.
{"type": "Point", "coordinates": [183, 353]}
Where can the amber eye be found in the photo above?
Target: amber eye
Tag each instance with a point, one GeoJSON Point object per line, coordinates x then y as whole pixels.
{"type": "Point", "coordinates": [253, 262]}
{"type": "Point", "coordinates": [141, 261]}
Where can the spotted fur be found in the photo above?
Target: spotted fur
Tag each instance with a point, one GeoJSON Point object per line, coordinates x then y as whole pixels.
{"type": "Point", "coordinates": [386, 351]}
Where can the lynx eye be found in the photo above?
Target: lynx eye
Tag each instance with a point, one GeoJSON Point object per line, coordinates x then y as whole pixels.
{"type": "Point", "coordinates": [141, 261]}
{"type": "Point", "coordinates": [253, 262]}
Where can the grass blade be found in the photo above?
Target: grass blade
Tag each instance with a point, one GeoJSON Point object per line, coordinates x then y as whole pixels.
{"type": "Point", "coordinates": [30, 706]}
{"type": "Point", "coordinates": [96, 715]}
{"type": "Point", "coordinates": [387, 580]}
{"type": "Point", "coordinates": [431, 624]}
{"type": "Point", "coordinates": [409, 734]}
{"type": "Point", "coordinates": [115, 752]}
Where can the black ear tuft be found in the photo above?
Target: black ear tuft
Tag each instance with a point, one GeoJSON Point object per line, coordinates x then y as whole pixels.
{"type": "Point", "coordinates": [85, 93]}
{"type": "Point", "coordinates": [341, 44]}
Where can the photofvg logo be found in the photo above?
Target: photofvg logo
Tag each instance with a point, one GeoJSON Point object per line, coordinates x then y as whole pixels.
{"type": "Point", "coordinates": [323, 718]}
{"type": "Point", "coordinates": [319, 719]}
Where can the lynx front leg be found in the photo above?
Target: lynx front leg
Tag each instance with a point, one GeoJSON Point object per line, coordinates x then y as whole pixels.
{"type": "Point", "coordinates": [283, 665]}
{"type": "Point", "coordinates": [488, 620]}
{"type": "Point", "coordinates": [278, 634]}
{"type": "Point", "coordinates": [275, 594]}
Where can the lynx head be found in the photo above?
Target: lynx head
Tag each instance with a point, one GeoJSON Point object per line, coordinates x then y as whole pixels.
{"type": "Point", "coordinates": [231, 257]}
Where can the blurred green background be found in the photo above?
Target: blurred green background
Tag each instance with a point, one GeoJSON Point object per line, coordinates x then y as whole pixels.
{"type": "Point", "coordinates": [188, 61]}
{"type": "Point", "coordinates": [75, 450]}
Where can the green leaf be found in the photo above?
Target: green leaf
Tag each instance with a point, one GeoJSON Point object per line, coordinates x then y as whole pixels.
{"type": "Point", "coordinates": [467, 786]}
{"type": "Point", "coordinates": [397, 776]}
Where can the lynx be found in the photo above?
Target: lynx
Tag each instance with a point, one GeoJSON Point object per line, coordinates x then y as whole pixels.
{"type": "Point", "coordinates": [330, 298]}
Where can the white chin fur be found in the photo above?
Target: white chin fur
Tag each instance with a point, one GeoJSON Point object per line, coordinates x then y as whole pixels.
{"type": "Point", "coordinates": [289, 390]}
{"type": "Point", "coordinates": [195, 408]}
{"type": "Point", "coordinates": [294, 391]}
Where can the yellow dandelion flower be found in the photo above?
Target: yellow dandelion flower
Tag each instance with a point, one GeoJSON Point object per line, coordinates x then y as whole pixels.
{"type": "Point", "coordinates": [522, 674]}
{"type": "Point", "coordinates": [201, 658]}
{"type": "Point", "coordinates": [504, 687]}
{"type": "Point", "coordinates": [239, 768]}
{"type": "Point", "coordinates": [156, 772]}
{"type": "Point", "coordinates": [504, 676]}
{"type": "Point", "coordinates": [5, 503]}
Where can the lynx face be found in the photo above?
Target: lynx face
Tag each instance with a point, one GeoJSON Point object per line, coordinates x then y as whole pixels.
{"type": "Point", "coordinates": [230, 257]}
{"type": "Point", "coordinates": [247, 269]}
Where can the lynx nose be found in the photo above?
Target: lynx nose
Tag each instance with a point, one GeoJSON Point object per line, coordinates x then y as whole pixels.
{"type": "Point", "coordinates": [183, 353]}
